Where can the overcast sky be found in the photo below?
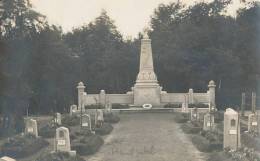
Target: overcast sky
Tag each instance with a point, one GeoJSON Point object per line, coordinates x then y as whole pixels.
{"type": "Point", "coordinates": [130, 16]}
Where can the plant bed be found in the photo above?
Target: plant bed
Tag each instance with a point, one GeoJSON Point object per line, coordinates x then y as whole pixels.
{"type": "Point", "coordinates": [59, 156]}
{"type": "Point", "coordinates": [22, 146]}
{"type": "Point", "coordinates": [250, 141]}
{"type": "Point", "coordinates": [119, 106]}
{"type": "Point", "coordinates": [105, 129]}
{"type": "Point", "coordinates": [69, 120]}
{"type": "Point", "coordinates": [86, 145]}
{"type": "Point", "coordinates": [111, 118]}
{"type": "Point", "coordinates": [204, 145]}
{"type": "Point", "coordinates": [48, 131]}
{"type": "Point", "coordinates": [190, 128]}
{"type": "Point", "coordinates": [169, 105]}
{"type": "Point", "coordinates": [181, 117]}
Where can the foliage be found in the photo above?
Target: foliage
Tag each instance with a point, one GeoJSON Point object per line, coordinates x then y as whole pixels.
{"type": "Point", "coordinates": [111, 118]}
{"type": "Point", "coordinates": [22, 146]}
{"type": "Point", "coordinates": [204, 145]}
{"type": "Point", "coordinates": [105, 129]}
{"type": "Point", "coordinates": [119, 106]}
{"type": "Point", "coordinates": [97, 106]}
{"type": "Point", "coordinates": [189, 128]}
{"type": "Point", "coordinates": [181, 117]}
{"type": "Point", "coordinates": [250, 141]}
{"type": "Point", "coordinates": [60, 156]}
{"type": "Point", "coordinates": [70, 120]}
{"type": "Point", "coordinates": [199, 105]}
{"type": "Point", "coordinates": [48, 131]}
{"type": "Point", "coordinates": [86, 145]}
{"type": "Point", "coordinates": [172, 105]}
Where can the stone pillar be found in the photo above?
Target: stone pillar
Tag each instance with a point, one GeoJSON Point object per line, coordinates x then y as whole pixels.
{"type": "Point", "coordinates": [102, 97]}
{"type": "Point", "coordinates": [243, 103]}
{"type": "Point", "coordinates": [253, 102]}
{"type": "Point", "coordinates": [81, 89]}
{"type": "Point", "coordinates": [31, 127]}
{"type": "Point", "coordinates": [191, 100]}
{"type": "Point", "coordinates": [212, 87]}
{"type": "Point", "coordinates": [184, 107]}
{"type": "Point", "coordinates": [231, 129]}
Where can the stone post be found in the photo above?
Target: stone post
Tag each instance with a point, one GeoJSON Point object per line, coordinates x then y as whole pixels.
{"type": "Point", "coordinates": [253, 102]}
{"type": "Point", "coordinates": [102, 97]}
{"type": "Point", "coordinates": [231, 129]}
{"type": "Point", "coordinates": [81, 89]}
{"type": "Point", "coordinates": [243, 103]}
{"type": "Point", "coordinates": [212, 87]}
{"type": "Point", "coordinates": [191, 100]}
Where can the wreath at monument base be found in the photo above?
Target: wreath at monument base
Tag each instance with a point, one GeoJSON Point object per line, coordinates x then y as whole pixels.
{"type": "Point", "coordinates": [147, 106]}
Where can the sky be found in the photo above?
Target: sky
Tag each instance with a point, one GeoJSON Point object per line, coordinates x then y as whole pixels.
{"type": "Point", "coordinates": [130, 16]}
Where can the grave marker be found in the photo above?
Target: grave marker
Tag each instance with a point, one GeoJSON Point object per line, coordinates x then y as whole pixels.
{"type": "Point", "coordinates": [208, 122]}
{"type": "Point", "coordinates": [62, 141]}
{"type": "Point", "coordinates": [86, 121]}
{"type": "Point", "coordinates": [231, 129]}
{"type": "Point", "coordinates": [31, 127]}
{"type": "Point", "coordinates": [253, 120]}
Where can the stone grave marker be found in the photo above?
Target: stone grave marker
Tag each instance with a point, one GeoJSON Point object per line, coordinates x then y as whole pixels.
{"type": "Point", "coordinates": [253, 123]}
{"type": "Point", "coordinates": [231, 129]}
{"type": "Point", "coordinates": [100, 118]}
{"type": "Point", "coordinates": [57, 118]}
{"type": "Point", "coordinates": [5, 158]}
{"type": "Point", "coordinates": [62, 141]}
{"type": "Point", "coordinates": [208, 123]}
{"type": "Point", "coordinates": [86, 121]}
{"type": "Point", "coordinates": [73, 109]}
{"type": "Point", "coordinates": [194, 114]}
{"type": "Point", "coordinates": [31, 127]}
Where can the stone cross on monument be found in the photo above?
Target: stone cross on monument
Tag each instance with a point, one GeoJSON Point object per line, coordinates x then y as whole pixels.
{"type": "Point", "coordinates": [146, 89]}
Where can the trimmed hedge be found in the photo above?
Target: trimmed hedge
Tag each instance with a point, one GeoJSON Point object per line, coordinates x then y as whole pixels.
{"type": "Point", "coordinates": [181, 117]}
{"type": "Point", "coordinates": [60, 156]}
{"type": "Point", "coordinates": [169, 105]}
{"type": "Point", "coordinates": [48, 131]}
{"type": "Point", "coordinates": [23, 146]}
{"type": "Point", "coordinates": [87, 145]}
{"type": "Point", "coordinates": [205, 145]}
{"type": "Point", "coordinates": [97, 106]}
{"type": "Point", "coordinates": [119, 106]}
{"type": "Point", "coordinates": [105, 129]}
{"type": "Point", "coordinates": [111, 118]}
{"type": "Point", "coordinates": [199, 105]}
{"type": "Point", "coordinates": [69, 120]}
{"type": "Point", "coordinates": [189, 128]}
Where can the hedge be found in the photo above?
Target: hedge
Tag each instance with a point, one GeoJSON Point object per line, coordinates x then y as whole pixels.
{"type": "Point", "coordinates": [105, 129]}
{"type": "Point", "coordinates": [97, 106]}
{"type": "Point", "coordinates": [189, 128]}
{"type": "Point", "coordinates": [250, 141]}
{"type": "Point", "coordinates": [48, 131]}
{"type": "Point", "coordinates": [87, 145]}
{"type": "Point", "coordinates": [181, 117]}
{"type": "Point", "coordinates": [69, 120]}
{"type": "Point", "coordinates": [119, 106]}
{"type": "Point", "coordinates": [205, 145]}
{"type": "Point", "coordinates": [111, 118]}
{"type": "Point", "coordinates": [199, 105]}
{"type": "Point", "coordinates": [22, 146]}
{"type": "Point", "coordinates": [169, 105]}
{"type": "Point", "coordinates": [59, 156]}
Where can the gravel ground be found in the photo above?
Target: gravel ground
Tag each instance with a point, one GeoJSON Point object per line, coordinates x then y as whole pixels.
{"type": "Point", "coordinates": [147, 137]}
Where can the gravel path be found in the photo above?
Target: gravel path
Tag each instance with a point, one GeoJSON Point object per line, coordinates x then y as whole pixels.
{"type": "Point", "coordinates": [147, 137]}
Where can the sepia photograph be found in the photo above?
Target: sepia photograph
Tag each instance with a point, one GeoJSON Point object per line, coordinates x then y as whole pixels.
{"type": "Point", "coordinates": [129, 80]}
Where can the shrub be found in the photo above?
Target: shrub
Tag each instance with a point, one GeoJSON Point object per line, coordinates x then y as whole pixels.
{"type": "Point", "coordinates": [87, 145]}
{"type": "Point", "coordinates": [198, 105]}
{"type": "Point", "coordinates": [22, 146]}
{"type": "Point", "coordinates": [169, 105]}
{"type": "Point", "coordinates": [104, 130]}
{"type": "Point", "coordinates": [48, 131]}
{"type": "Point", "coordinates": [59, 156]}
{"type": "Point", "coordinates": [96, 106]}
{"type": "Point", "coordinates": [219, 156]}
{"type": "Point", "coordinates": [250, 141]}
{"type": "Point", "coordinates": [205, 145]}
{"type": "Point", "coordinates": [111, 118]}
{"type": "Point", "coordinates": [69, 120]}
{"type": "Point", "coordinates": [119, 106]}
{"type": "Point", "coordinates": [181, 117]}
{"type": "Point", "coordinates": [190, 128]}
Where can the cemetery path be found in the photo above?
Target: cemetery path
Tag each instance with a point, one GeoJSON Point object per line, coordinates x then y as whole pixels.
{"type": "Point", "coordinates": [147, 137]}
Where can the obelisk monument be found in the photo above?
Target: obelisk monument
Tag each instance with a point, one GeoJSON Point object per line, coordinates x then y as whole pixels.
{"type": "Point", "coordinates": [146, 89]}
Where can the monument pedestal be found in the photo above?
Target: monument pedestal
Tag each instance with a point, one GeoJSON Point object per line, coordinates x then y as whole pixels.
{"type": "Point", "coordinates": [147, 94]}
